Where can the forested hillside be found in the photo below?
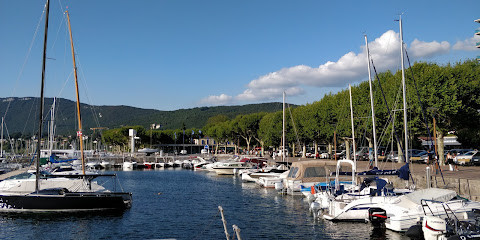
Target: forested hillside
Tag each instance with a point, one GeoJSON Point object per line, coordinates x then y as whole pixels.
{"type": "Point", "coordinates": [22, 116]}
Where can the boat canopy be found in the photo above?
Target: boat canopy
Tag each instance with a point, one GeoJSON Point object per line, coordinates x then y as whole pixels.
{"type": "Point", "coordinates": [415, 198]}
{"type": "Point", "coordinates": [436, 194]}
{"type": "Point", "coordinates": [312, 171]}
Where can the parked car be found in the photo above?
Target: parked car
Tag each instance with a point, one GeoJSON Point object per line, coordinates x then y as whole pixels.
{"type": "Point", "coordinates": [362, 154]}
{"type": "Point", "coordinates": [464, 159]}
{"type": "Point", "coordinates": [341, 154]}
{"type": "Point", "coordinates": [392, 156]}
{"type": "Point", "coordinates": [310, 154]}
{"type": "Point", "coordinates": [475, 159]}
{"type": "Point", "coordinates": [416, 155]}
{"type": "Point", "coordinates": [324, 155]}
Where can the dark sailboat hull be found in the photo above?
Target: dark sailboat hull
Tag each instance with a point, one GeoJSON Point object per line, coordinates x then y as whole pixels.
{"type": "Point", "coordinates": [78, 201]}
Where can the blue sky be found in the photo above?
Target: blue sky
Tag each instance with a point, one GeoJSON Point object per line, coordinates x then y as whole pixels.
{"type": "Point", "coordinates": [174, 54]}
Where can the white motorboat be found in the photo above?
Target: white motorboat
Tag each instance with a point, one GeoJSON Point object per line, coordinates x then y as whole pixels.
{"type": "Point", "coordinates": [404, 211]}
{"type": "Point", "coordinates": [129, 165]}
{"type": "Point", "coordinates": [306, 174]}
{"type": "Point", "coordinates": [273, 182]}
{"type": "Point", "coordinates": [177, 163]}
{"type": "Point", "coordinates": [230, 168]}
{"type": "Point", "coordinates": [106, 164]}
{"type": "Point", "coordinates": [67, 169]}
{"type": "Point", "coordinates": [93, 165]}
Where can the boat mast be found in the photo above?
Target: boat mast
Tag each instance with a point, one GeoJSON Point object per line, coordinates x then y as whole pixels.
{"type": "Point", "coordinates": [371, 104]}
{"type": "Point", "coordinates": [353, 128]}
{"type": "Point", "coordinates": [283, 129]}
{"type": "Point", "coordinates": [40, 115]}
{"type": "Point", "coordinates": [52, 126]}
{"type": "Point", "coordinates": [404, 93]}
{"type": "Point", "coordinates": [79, 132]}
{"type": "Point", "coordinates": [1, 143]}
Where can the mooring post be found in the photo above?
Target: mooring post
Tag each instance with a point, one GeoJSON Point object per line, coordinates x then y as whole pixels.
{"type": "Point", "coordinates": [224, 223]}
{"type": "Point", "coordinates": [428, 177]}
{"type": "Point", "coordinates": [236, 229]}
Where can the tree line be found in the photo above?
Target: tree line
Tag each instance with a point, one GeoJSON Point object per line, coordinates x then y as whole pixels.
{"type": "Point", "coordinates": [450, 94]}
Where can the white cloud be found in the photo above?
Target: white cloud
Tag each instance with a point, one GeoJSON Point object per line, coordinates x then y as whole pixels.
{"type": "Point", "coordinates": [467, 44]}
{"type": "Point", "coordinates": [267, 93]}
{"type": "Point", "coordinates": [221, 99]}
{"type": "Point", "coordinates": [351, 67]}
{"type": "Point", "coordinates": [422, 49]}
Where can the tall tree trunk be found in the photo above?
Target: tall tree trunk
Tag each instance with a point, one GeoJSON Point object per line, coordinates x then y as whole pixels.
{"type": "Point", "coordinates": [315, 143]}
{"type": "Point", "coordinates": [440, 148]}
{"type": "Point", "coordinates": [347, 148]}
{"type": "Point", "coordinates": [263, 148]}
{"type": "Point", "coordinates": [304, 154]}
{"type": "Point", "coordinates": [400, 153]}
{"type": "Point", "coordinates": [370, 142]}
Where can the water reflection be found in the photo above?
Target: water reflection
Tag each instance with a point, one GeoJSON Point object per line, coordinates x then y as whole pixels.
{"type": "Point", "coordinates": [187, 208]}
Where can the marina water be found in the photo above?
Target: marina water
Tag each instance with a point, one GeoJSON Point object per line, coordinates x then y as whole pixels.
{"type": "Point", "coordinates": [183, 204]}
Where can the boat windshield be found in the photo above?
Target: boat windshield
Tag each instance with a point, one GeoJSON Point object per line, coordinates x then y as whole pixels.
{"type": "Point", "coordinates": [314, 172]}
{"type": "Point", "coordinates": [293, 172]}
{"type": "Point", "coordinates": [26, 175]}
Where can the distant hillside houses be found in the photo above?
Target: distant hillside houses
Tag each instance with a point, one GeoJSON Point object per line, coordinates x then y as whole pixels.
{"type": "Point", "coordinates": [448, 141]}
{"type": "Point", "coordinates": [205, 141]}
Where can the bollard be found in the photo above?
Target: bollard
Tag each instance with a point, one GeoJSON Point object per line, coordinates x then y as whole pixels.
{"type": "Point", "coordinates": [428, 177]}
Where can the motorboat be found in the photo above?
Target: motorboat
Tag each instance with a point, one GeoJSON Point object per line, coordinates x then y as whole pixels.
{"type": "Point", "coordinates": [431, 227]}
{"type": "Point", "coordinates": [273, 181]}
{"type": "Point", "coordinates": [129, 165]}
{"type": "Point", "coordinates": [253, 174]}
{"type": "Point", "coordinates": [404, 211]}
{"type": "Point", "coordinates": [106, 164]}
{"type": "Point", "coordinates": [306, 174]}
{"type": "Point", "coordinates": [67, 169]}
{"type": "Point", "coordinates": [93, 165]}
{"type": "Point", "coordinates": [342, 200]}
{"type": "Point", "coordinates": [230, 168]}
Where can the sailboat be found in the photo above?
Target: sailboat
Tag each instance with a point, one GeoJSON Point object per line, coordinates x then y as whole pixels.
{"type": "Point", "coordinates": [39, 192]}
{"type": "Point", "coordinates": [355, 206]}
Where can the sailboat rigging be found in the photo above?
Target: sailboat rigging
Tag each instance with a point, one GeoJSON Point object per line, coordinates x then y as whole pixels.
{"type": "Point", "coordinates": [58, 193]}
{"type": "Point", "coordinates": [79, 132]}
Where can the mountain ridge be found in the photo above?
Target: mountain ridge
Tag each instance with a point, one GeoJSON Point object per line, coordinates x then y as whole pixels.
{"type": "Point", "coordinates": [22, 116]}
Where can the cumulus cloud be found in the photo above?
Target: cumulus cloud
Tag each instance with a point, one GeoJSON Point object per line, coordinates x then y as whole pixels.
{"type": "Point", "coordinates": [221, 99]}
{"type": "Point", "coordinates": [268, 93]}
{"type": "Point", "coordinates": [428, 49]}
{"type": "Point", "coordinates": [467, 44]}
{"type": "Point", "coordinates": [351, 67]}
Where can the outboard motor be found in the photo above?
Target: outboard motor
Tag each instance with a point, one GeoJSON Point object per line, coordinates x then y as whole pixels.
{"type": "Point", "coordinates": [433, 227]}
{"type": "Point", "coordinates": [377, 216]}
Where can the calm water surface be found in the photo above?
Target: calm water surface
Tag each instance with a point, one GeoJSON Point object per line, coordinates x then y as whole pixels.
{"type": "Point", "coordinates": [182, 204]}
